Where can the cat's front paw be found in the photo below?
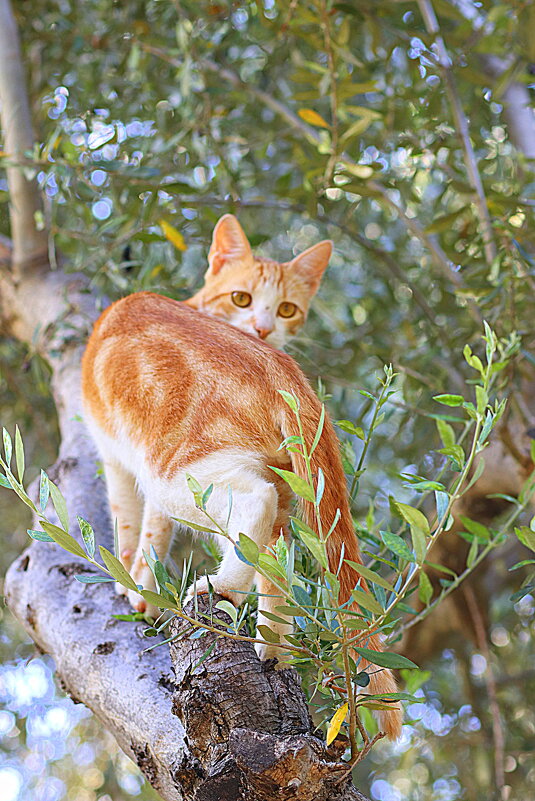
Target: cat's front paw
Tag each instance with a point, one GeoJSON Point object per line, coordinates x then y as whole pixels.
{"type": "Point", "coordinates": [200, 587]}
{"type": "Point", "coordinates": [142, 575]}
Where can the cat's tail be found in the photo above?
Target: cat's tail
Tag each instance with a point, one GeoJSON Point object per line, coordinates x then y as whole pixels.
{"type": "Point", "coordinates": [342, 544]}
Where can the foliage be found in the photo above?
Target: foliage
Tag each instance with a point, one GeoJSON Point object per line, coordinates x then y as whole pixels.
{"type": "Point", "coordinates": [330, 638]}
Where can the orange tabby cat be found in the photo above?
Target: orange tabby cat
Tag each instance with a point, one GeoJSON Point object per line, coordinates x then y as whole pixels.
{"type": "Point", "coordinates": [169, 390]}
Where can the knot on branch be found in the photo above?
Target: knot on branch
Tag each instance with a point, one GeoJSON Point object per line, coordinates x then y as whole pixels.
{"type": "Point", "coordinates": [248, 729]}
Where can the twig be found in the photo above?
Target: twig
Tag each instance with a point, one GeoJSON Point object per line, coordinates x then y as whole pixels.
{"type": "Point", "coordinates": [461, 124]}
{"type": "Point", "coordinates": [497, 728]}
{"type": "Point", "coordinates": [331, 164]}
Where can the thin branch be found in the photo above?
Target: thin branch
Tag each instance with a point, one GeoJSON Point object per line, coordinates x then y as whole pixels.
{"type": "Point", "coordinates": [461, 124]}
{"type": "Point", "coordinates": [331, 164]}
{"type": "Point", "coordinates": [497, 727]}
{"type": "Point", "coordinates": [29, 245]}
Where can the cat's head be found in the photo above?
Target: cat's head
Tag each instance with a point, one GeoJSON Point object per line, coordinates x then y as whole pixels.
{"type": "Point", "coordinates": [262, 297]}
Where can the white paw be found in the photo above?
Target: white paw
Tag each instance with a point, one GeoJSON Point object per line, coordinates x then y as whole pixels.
{"type": "Point", "coordinates": [200, 587]}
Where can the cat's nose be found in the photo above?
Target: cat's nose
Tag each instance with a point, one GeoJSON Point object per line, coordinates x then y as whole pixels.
{"type": "Point", "coordinates": [262, 332]}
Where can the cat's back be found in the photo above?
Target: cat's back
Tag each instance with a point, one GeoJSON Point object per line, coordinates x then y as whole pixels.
{"type": "Point", "coordinates": [153, 363]}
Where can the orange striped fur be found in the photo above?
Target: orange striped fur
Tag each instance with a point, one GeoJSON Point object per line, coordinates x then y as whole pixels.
{"type": "Point", "coordinates": [169, 390]}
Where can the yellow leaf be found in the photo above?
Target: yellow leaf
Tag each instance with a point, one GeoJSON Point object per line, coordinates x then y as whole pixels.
{"type": "Point", "coordinates": [312, 117]}
{"type": "Point", "coordinates": [174, 236]}
{"type": "Point", "coordinates": [336, 723]}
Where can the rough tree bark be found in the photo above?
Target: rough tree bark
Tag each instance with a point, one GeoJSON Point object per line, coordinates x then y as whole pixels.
{"type": "Point", "coordinates": [231, 728]}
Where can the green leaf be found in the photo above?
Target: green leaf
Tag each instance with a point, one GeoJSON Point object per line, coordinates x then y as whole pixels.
{"type": "Point", "coordinates": [311, 540]}
{"type": "Point", "coordinates": [425, 589]}
{"type": "Point", "coordinates": [481, 399]}
{"type": "Point", "coordinates": [385, 658]}
{"type": "Point", "coordinates": [195, 526]}
{"type": "Point", "coordinates": [88, 535]}
{"type": "Point", "coordinates": [371, 575]}
{"type": "Point", "coordinates": [204, 656]}
{"type": "Point", "coordinates": [249, 549]}
{"type": "Point", "coordinates": [413, 516]}
{"type": "Point", "coordinates": [94, 580]}
{"type": "Point", "coordinates": [351, 428]}
{"type": "Point", "coordinates": [19, 454]}
{"type": "Point", "coordinates": [290, 399]}
{"type": "Point", "coordinates": [8, 448]}
{"type": "Point", "coordinates": [526, 537]}
{"type": "Point", "coordinates": [4, 482]}
{"type": "Point", "coordinates": [193, 484]}
{"type": "Point", "coordinates": [157, 600]}
{"type": "Point", "coordinates": [39, 535]}
{"type": "Point", "coordinates": [44, 491]}
{"type": "Point", "coordinates": [270, 565]}
{"type": "Point", "coordinates": [449, 400]}
{"type": "Point", "coordinates": [296, 483]}
{"type": "Point", "coordinates": [367, 601]}
{"type": "Point", "coordinates": [267, 634]}
{"type": "Point", "coordinates": [63, 539]}
{"type": "Point", "coordinates": [318, 430]}
{"type": "Point", "coordinates": [396, 545]}
{"type": "Point", "coordinates": [230, 609]}
{"type": "Point", "coordinates": [274, 618]}
{"type": "Point", "coordinates": [472, 553]}
{"type": "Point", "coordinates": [455, 454]}
{"type": "Point", "coordinates": [446, 433]}
{"type": "Point", "coordinates": [477, 529]}
{"type": "Point", "coordinates": [59, 505]}
{"type": "Point", "coordinates": [117, 570]}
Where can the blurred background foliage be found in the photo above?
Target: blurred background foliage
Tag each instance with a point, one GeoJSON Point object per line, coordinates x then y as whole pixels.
{"type": "Point", "coordinates": [307, 119]}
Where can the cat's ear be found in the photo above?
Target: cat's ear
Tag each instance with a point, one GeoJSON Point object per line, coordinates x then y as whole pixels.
{"type": "Point", "coordinates": [228, 243]}
{"type": "Point", "coordinates": [312, 263]}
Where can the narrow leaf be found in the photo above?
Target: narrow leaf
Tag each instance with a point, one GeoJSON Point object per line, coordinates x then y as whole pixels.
{"type": "Point", "coordinates": [385, 658]}
{"type": "Point", "coordinates": [44, 491]}
{"type": "Point", "coordinates": [174, 236]}
{"type": "Point", "coordinates": [88, 535]}
{"type": "Point", "coordinates": [59, 505]}
{"type": "Point", "coordinates": [267, 634]}
{"type": "Point", "coordinates": [425, 589]}
{"type": "Point", "coordinates": [396, 545]}
{"type": "Point", "coordinates": [318, 430]}
{"type": "Point", "coordinates": [19, 454]}
{"type": "Point", "coordinates": [296, 483]}
{"type": "Point", "coordinates": [336, 723]}
{"type": "Point", "coordinates": [313, 118]}
{"type": "Point", "coordinates": [371, 575]}
{"type": "Point", "coordinates": [39, 535]}
{"type": "Point", "coordinates": [63, 539]}
{"type": "Point", "coordinates": [117, 570]}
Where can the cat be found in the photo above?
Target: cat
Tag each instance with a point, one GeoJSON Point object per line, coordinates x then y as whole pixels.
{"type": "Point", "coordinates": [170, 390]}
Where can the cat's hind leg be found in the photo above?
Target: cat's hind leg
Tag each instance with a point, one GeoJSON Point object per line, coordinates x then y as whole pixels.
{"type": "Point", "coordinates": [126, 508]}
{"type": "Point", "coordinates": [269, 598]}
{"type": "Point", "coordinates": [156, 530]}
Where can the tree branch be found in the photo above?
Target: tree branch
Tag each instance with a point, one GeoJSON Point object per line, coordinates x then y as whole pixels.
{"type": "Point", "coordinates": [29, 244]}
{"type": "Point", "coordinates": [461, 124]}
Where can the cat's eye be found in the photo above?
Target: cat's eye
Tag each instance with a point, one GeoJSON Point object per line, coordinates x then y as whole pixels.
{"type": "Point", "coordinates": [287, 309]}
{"type": "Point", "coordinates": [241, 299]}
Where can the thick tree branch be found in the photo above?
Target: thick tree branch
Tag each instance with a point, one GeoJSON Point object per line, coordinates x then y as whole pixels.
{"type": "Point", "coordinates": [29, 244]}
